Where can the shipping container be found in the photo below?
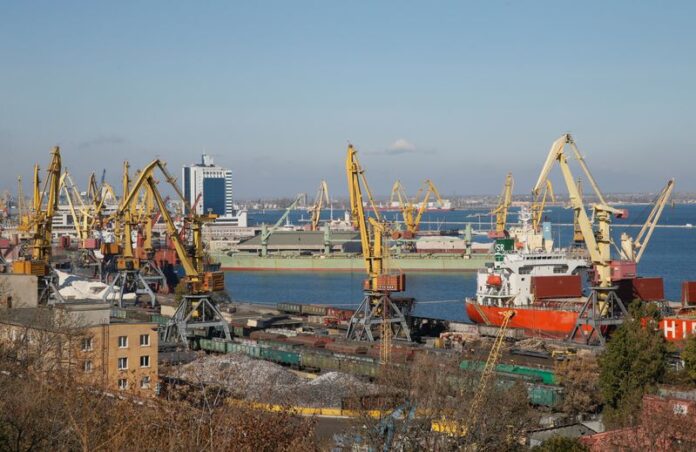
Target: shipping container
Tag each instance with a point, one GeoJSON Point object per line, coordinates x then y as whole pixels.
{"type": "Point", "coordinates": [4, 244]}
{"type": "Point", "coordinates": [689, 292]}
{"type": "Point", "coordinates": [340, 314]}
{"type": "Point", "coordinates": [622, 270]}
{"type": "Point", "coordinates": [558, 286]}
{"type": "Point", "coordinates": [649, 289]}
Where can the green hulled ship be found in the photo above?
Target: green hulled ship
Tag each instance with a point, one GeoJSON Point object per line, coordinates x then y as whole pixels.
{"type": "Point", "coordinates": [340, 251]}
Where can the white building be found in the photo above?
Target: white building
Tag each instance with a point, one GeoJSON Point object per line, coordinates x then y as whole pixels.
{"type": "Point", "coordinates": [213, 184]}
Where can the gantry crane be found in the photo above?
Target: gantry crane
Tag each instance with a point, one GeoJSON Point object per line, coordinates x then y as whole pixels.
{"type": "Point", "coordinates": [321, 198]}
{"type": "Point", "coordinates": [501, 210]}
{"type": "Point", "coordinates": [40, 222]}
{"type": "Point", "coordinates": [197, 309]}
{"type": "Point", "coordinates": [377, 310]}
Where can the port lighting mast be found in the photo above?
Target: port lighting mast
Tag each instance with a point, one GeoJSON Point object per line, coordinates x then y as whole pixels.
{"type": "Point", "coordinates": [378, 310]}
{"type": "Point", "coordinates": [40, 222]}
{"type": "Point", "coordinates": [197, 309]}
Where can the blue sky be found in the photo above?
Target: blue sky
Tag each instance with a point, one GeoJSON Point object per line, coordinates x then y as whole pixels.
{"type": "Point", "coordinates": [459, 92]}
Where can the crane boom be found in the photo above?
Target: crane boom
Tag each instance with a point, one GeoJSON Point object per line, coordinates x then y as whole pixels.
{"type": "Point", "coordinates": [640, 242]}
{"type": "Point", "coordinates": [504, 203]}
{"type": "Point", "coordinates": [322, 196]}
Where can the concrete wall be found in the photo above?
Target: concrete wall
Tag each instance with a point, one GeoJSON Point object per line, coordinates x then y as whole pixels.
{"type": "Point", "coordinates": [19, 291]}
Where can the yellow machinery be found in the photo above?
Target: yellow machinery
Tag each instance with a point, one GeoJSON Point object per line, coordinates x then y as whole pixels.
{"type": "Point", "coordinates": [197, 309]}
{"type": "Point", "coordinates": [539, 202]}
{"type": "Point", "coordinates": [501, 211]}
{"type": "Point", "coordinates": [412, 209]}
{"type": "Point", "coordinates": [633, 248]}
{"type": "Point", "coordinates": [476, 404]}
{"type": "Point", "coordinates": [131, 272]}
{"type": "Point", "coordinates": [377, 310]}
{"type": "Point", "coordinates": [603, 308]}
{"type": "Point", "coordinates": [321, 198]}
{"type": "Point", "coordinates": [40, 222]}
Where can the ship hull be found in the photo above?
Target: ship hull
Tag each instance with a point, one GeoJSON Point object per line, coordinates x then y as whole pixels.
{"type": "Point", "coordinates": [352, 263]}
{"type": "Point", "coordinates": [559, 323]}
{"type": "Point", "coordinates": [545, 322]}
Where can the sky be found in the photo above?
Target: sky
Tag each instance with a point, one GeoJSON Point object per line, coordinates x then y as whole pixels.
{"type": "Point", "coordinates": [459, 92]}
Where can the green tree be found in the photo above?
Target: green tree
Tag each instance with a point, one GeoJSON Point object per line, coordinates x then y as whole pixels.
{"type": "Point", "coordinates": [561, 444]}
{"type": "Point", "coordinates": [632, 365]}
{"type": "Point", "coordinates": [689, 357]}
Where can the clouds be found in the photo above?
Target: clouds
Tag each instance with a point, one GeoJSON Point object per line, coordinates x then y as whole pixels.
{"type": "Point", "coordinates": [401, 146]}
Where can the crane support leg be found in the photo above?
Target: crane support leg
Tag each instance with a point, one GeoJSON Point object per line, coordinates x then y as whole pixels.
{"type": "Point", "coordinates": [128, 281]}
{"type": "Point", "coordinates": [602, 310]}
{"type": "Point", "coordinates": [48, 290]}
{"type": "Point", "coordinates": [376, 309]}
{"type": "Point", "coordinates": [195, 312]}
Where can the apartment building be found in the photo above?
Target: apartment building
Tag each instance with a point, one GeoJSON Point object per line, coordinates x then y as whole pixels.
{"type": "Point", "coordinates": [115, 354]}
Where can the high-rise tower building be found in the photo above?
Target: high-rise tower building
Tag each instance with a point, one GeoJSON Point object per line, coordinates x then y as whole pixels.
{"type": "Point", "coordinates": [214, 185]}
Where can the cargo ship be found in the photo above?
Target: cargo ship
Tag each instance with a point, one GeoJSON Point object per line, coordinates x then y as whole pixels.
{"type": "Point", "coordinates": [545, 289]}
{"type": "Point", "coordinates": [339, 251]}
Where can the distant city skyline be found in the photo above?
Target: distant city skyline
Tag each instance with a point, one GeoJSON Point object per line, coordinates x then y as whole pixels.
{"type": "Point", "coordinates": [457, 92]}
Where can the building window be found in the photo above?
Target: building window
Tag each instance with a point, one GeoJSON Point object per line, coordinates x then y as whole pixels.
{"type": "Point", "coordinates": [86, 344]}
{"type": "Point", "coordinates": [122, 384]}
{"type": "Point", "coordinates": [122, 363]}
{"type": "Point", "coordinates": [144, 340]}
{"type": "Point", "coordinates": [145, 382]}
{"type": "Point", "coordinates": [145, 361]}
{"type": "Point", "coordinates": [87, 366]}
{"type": "Point", "coordinates": [122, 341]}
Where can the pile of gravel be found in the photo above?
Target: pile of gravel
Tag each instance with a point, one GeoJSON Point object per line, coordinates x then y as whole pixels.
{"type": "Point", "coordinates": [266, 382]}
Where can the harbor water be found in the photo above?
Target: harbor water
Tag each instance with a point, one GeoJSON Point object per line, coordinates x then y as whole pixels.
{"type": "Point", "coordinates": [671, 253]}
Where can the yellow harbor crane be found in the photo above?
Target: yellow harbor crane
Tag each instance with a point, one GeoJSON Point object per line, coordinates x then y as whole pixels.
{"type": "Point", "coordinates": [378, 310]}
{"type": "Point", "coordinates": [603, 307]}
{"type": "Point", "coordinates": [501, 210]}
{"type": "Point", "coordinates": [197, 310]}
{"type": "Point", "coordinates": [131, 272]}
{"type": "Point", "coordinates": [321, 198]}
{"type": "Point", "coordinates": [40, 222]}
{"type": "Point", "coordinates": [412, 209]}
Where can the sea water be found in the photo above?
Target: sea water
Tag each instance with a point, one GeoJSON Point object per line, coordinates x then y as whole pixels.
{"type": "Point", "coordinates": [671, 253]}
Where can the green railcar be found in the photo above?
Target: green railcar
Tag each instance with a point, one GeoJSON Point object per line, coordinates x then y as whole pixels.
{"type": "Point", "coordinates": [310, 309]}
{"type": "Point", "coordinates": [366, 367]}
{"type": "Point", "coordinates": [320, 361]}
{"type": "Point", "coordinates": [205, 344]}
{"type": "Point", "coordinates": [543, 376]}
{"type": "Point", "coordinates": [160, 319]}
{"type": "Point", "coordinates": [292, 308]}
{"type": "Point", "coordinates": [253, 351]}
{"type": "Point", "coordinates": [544, 395]}
{"type": "Point", "coordinates": [280, 356]}
{"type": "Point", "coordinates": [218, 346]}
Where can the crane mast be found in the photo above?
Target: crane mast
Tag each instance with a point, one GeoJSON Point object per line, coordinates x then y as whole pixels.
{"type": "Point", "coordinates": [378, 310]}
{"type": "Point", "coordinates": [322, 196]}
{"type": "Point", "coordinates": [501, 211]}
{"type": "Point", "coordinates": [40, 222]}
{"type": "Point", "coordinates": [197, 309]}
